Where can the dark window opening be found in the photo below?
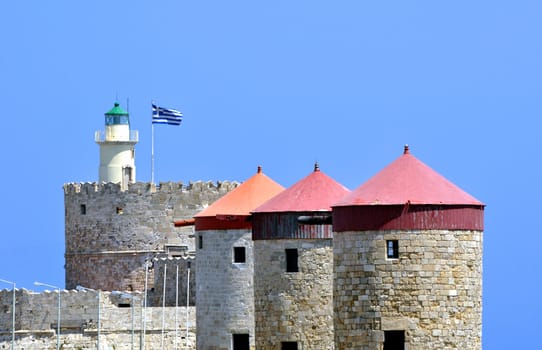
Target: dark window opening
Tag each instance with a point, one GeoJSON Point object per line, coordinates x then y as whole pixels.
{"type": "Point", "coordinates": [392, 249]}
{"type": "Point", "coordinates": [240, 342]}
{"type": "Point", "coordinates": [200, 242]}
{"type": "Point", "coordinates": [291, 261]}
{"type": "Point", "coordinates": [120, 211]}
{"type": "Point", "coordinates": [394, 340]}
{"type": "Point", "coordinates": [127, 175]}
{"type": "Point", "coordinates": [124, 305]}
{"type": "Point", "coordinates": [239, 255]}
{"type": "Point", "coordinates": [83, 209]}
{"type": "Point", "coordinates": [288, 345]}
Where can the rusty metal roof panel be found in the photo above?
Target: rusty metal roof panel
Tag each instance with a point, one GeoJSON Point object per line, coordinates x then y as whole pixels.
{"type": "Point", "coordinates": [270, 226]}
{"type": "Point", "coordinates": [408, 217]}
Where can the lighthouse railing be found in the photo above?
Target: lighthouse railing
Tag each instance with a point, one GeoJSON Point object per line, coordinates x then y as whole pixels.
{"type": "Point", "coordinates": [100, 136]}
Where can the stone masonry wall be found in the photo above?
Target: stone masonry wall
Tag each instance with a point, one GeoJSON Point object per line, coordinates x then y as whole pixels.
{"type": "Point", "coordinates": [225, 289]}
{"type": "Point", "coordinates": [294, 306]}
{"type": "Point", "coordinates": [110, 233]}
{"type": "Point", "coordinates": [36, 321]}
{"type": "Point", "coordinates": [432, 292]}
{"type": "Point", "coordinates": [168, 264]}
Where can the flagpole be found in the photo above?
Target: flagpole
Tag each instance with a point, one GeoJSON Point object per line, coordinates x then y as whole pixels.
{"type": "Point", "coordinates": [162, 115]}
{"type": "Point", "coordinates": [152, 146]}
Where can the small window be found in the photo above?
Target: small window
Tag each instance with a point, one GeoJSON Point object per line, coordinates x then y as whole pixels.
{"type": "Point", "coordinates": [239, 255]}
{"type": "Point", "coordinates": [83, 209]}
{"type": "Point", "coordinates": [392, 249]}
{"type": "Point", "coordinates": [200, 242]}
{"type": "Point", "coordinates": [120, 211]}
{"type": "Point", "coordinates": [124, 305]}
{"type": "Point", "coordinates": [240, 342]}
{"type": "Point", "coordinates": [291, 261]}
{"type": "Point", "coordinates": [394, 340]}
{"type": "Point", "coordinates": [289, 345]}
{"type": "Point", "coordinates": [127, 175]}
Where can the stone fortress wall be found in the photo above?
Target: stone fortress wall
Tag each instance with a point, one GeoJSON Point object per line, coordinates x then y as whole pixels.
{"type": "Point", "coordinates": [121, 321]}
{"type": "Point", "coordinates": [109, 233]}
{"type": "Point", "coordinates": [110, 236]}
{"type": "Point", "coordinates": [180, 279]}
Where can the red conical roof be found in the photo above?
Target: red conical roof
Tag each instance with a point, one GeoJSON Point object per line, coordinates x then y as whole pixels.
{"type": "Point", "coordinates": [408, 180]}
{"type": "Point", "coordinates": [243, 199]}
{"type": "Point", "coordinates": [315, 192]}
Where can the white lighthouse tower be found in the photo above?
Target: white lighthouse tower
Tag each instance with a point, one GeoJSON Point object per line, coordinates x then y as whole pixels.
{"type": "Point", "coordinates": [117, 152]}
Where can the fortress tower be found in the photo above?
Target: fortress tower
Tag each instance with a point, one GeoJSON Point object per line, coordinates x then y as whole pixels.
{"type": "Point", "coordinates": [407, 250]}
{"type": "Point", "coordinates": [113, 226]}
{"type": "Point", "coordinates": [117, 152]}
{"type": "Point", "coordinates": [225, 266]}
{"type": "Point", "coordinates": [293, 266]}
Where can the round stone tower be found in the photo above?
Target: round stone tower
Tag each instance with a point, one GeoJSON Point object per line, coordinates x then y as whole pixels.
{"type": "Point", "coordinates": [225, 266]}
{"type": "Point", "coordinates": [293, 265]}
{"type": "Point", "coordinates": [110, 232]}
{"type": "Point", "coordinates": [408, 262]}
{"type": "Point", "coordinates": [117, 152]}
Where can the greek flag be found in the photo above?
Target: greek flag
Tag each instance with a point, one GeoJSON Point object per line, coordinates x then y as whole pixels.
{"type": "Point", "coordinates": [162, 115]}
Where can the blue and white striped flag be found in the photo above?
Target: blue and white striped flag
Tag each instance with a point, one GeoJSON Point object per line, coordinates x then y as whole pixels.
{"type": "Point", "coordinates": [162, 115]}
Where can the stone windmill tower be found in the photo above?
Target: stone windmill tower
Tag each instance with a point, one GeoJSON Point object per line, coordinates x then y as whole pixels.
{"type": "Point", "coordinates": [293, 265]}
{"type": "Point", "coordinates": [225, 266]}
{"type": "Point", "coordinates": [408, 262]}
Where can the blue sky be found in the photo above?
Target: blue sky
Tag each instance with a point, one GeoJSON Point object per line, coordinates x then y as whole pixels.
{"type": "Point", "coordinates": [281, 84]}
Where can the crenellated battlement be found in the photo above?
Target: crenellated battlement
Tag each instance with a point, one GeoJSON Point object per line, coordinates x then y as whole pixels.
{"type": "Point", "coordinates": [147, 187]}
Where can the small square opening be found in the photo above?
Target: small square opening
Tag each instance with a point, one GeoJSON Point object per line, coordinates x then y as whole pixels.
{"type": "Point", "coordinates": [120, 211]}
{"type": "Point", "coordinates": [241, 342]}
{"type": "Point", "coordinates": [292, 260]}
{"type": "Point", "coordinates": [394, 340]}
{"type": "Point", "coordinates": [289, 345]}
{"type": "Point", "coordinates": [392, 249]}
{"type": "Point", "coordinates": [239, 254]}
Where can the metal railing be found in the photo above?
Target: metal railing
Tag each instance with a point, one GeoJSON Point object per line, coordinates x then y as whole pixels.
{"type": "Point", "coordinates": [100, 136]}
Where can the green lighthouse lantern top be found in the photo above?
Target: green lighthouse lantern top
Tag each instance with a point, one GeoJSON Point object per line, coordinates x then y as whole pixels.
{"type": "Point", "coordinates": [117, 116]}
